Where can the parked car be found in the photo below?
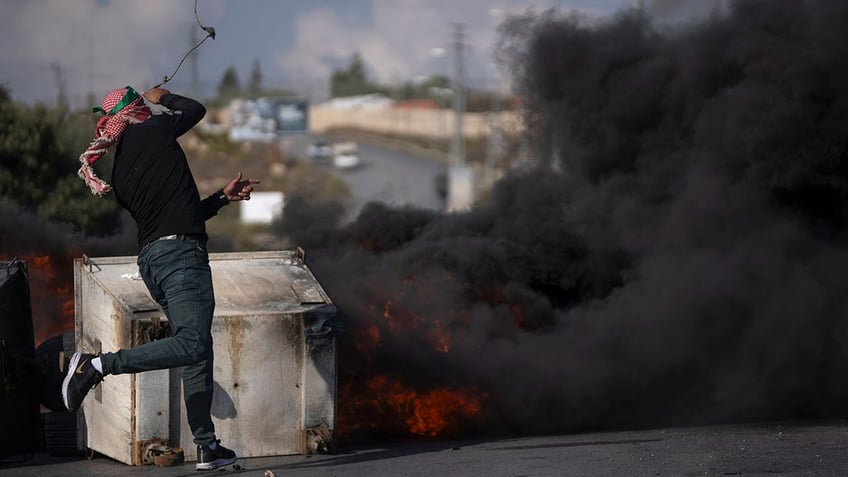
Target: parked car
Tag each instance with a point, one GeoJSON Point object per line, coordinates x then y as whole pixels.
{"type": "Point", "coordinates": [319, 151]}
{"type": "Point", "coordinates": [346, 155]}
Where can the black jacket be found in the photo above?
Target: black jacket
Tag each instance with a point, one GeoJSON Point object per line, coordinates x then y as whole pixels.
{"type": "Point", "coordinates": [151, 177]}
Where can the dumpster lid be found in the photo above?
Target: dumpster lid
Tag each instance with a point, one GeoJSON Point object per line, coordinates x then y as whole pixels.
{"type": "Point", "coordinates": [244, 283]}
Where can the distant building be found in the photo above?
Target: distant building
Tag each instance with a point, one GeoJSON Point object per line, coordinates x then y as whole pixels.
{"type": "Point", "coordinates": [416, 104]}
{"type": "Point", "coordinates": [363, 101]}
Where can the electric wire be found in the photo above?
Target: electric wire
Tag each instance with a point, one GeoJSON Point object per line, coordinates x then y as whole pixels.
{"type": "Point", "coordinates": [210, 33]}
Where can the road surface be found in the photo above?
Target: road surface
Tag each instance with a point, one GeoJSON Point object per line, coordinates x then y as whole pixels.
{"type": "Point", "coordinates": [392, 177]}
{"type": "Point", "coordinates": [808, 448]}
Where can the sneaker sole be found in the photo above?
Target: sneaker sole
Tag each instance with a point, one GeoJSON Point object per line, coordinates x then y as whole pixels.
{"type": "Point", "coordinates": [71, 367]}
{"type": "Point", "coordinates": [215, 464]}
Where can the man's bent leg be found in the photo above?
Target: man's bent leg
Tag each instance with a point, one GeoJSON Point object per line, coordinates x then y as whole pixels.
{"type": "Point", "coordinates": [197, 389]}
{"type": "Point", "coordinates": [178, 276]}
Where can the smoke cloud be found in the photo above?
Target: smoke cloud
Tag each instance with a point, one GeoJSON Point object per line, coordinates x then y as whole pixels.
{"type": "Point", "coordinates": [677, 257]}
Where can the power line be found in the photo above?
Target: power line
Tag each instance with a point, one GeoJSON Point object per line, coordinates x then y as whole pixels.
{"type": "Point", "coordinates": [210, 33]}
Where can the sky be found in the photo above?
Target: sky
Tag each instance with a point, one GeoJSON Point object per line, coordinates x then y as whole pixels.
{"type": "Point", "coordinates": [93, 46]}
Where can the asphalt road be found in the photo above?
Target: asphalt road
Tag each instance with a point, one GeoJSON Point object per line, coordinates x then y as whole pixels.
{"type": "Point", "coordinates": [810, 448]}
{"type": "Point", "coordinates": [391, 177]}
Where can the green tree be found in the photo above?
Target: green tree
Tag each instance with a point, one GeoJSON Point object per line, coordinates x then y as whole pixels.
{"type": "Point", "coordinates": [352, 80]}
{"type": "Point", "coordinates": [229, 86]}
{"type": "Point", "coordinates": [424, 89]}
{"type": "Point", "coordinates": [436, 81]}
{"type": "Point", "coordinates": [39, 150]}
{"type": "Point", "coordinates": [255, 85]}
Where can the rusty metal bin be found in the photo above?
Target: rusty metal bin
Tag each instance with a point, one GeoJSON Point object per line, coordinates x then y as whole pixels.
{"type": "Point", "coordinates": [275, 366]}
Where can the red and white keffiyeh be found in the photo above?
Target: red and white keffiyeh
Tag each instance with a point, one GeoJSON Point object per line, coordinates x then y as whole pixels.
{"type": "Point", "coordinates": [121, 107]}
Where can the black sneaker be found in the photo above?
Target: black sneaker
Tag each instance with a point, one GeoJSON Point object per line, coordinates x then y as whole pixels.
{"type": "Point", "coordinates": [208, 459]}
{"type": "Point", "coordinates": [79, 380]}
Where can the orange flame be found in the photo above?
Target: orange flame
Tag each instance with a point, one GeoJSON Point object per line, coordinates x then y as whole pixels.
{"type": "Point", "coordinates": [366, 342]}
{"type": "Point", "coordinates": [400, 321]}
{"type": "Point", "coordinates": [51, 297]}
{"type": "Point", "coordinates": [439, 337]}
{"type": "Point", "coordinates": [429, 413]}
{"type": "Point", "coordinates": [374, 399]}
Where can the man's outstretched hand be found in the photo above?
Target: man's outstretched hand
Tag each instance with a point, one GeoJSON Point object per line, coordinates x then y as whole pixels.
{"type": "Point", "coordinates": [239, 189]}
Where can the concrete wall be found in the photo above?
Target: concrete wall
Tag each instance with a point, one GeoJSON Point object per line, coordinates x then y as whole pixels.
{"type": "Point", "coordinates": [431, 123]}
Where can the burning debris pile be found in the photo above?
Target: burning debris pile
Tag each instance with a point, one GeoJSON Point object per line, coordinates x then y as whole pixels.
{"type": "Point", "coordinates": [677, 257]}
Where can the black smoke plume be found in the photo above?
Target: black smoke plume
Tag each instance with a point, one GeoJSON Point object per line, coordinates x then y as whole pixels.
{"type": "Point", "coordinates": [678, 256]}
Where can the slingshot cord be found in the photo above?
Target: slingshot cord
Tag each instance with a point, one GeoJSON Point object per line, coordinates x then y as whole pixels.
{"type": "Point", "coordinates": [210, 32]}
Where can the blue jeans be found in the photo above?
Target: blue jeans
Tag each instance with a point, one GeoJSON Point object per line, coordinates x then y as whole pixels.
{"type": "Point", "coordinates": [178, 276]}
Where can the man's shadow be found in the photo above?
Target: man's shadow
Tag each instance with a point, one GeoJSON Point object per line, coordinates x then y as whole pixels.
{"type": "Point", "coordinates": [223, 406]}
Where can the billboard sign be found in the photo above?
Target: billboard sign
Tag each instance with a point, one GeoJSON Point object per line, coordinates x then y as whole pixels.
{"type": "Point", "coordinates": [290, 115]}
{"type": "Point", "coordinates": [265, 119]}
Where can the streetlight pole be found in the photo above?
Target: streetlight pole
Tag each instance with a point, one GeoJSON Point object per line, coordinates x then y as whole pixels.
{"type": "Point", "coordinates": [458, 98]}
{"type": "Point", "coordinates": [460, 180]}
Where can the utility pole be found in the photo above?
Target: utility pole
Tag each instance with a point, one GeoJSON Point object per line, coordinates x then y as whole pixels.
{"type": "Point", "coordinates": [460, 181]}
{"type": "Point", "coordinates": [61, 86]}
{"type": "Point", "coordinates": [91, 98]}
{"type": "Point", "coordinates": [195, 74]}
{"type": "Point", "coordinates": [458, 97]}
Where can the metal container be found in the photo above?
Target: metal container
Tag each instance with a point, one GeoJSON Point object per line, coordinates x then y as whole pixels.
{"type": "Point", "coordinates": [275, 366]}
